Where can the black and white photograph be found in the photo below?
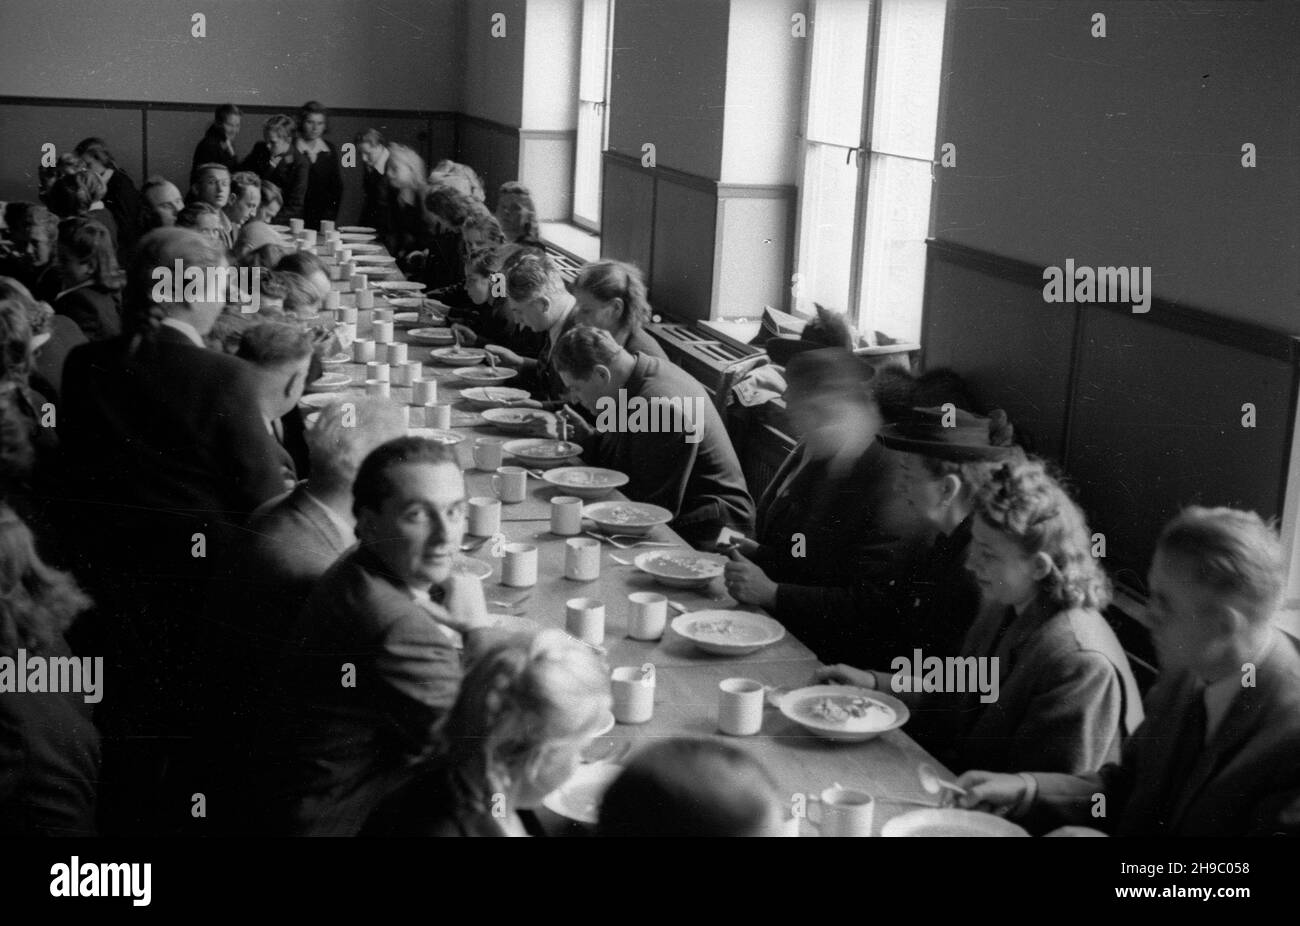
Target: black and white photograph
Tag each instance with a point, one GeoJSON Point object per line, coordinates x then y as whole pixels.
{"type": "Point", "coordinates": [650, 418]}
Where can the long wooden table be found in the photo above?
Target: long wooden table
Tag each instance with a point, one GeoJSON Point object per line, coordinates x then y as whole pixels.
{"type": "Point", "coordinates": [686, 691]}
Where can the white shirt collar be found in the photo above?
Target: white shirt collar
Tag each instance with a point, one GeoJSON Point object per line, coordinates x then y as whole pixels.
{"type": "Point", "coordinates": [186, 329]}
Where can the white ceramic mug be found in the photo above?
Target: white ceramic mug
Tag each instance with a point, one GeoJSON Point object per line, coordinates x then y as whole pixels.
{"type": "Point", "coordinates": [378, 369]}
{"type": "Point", "coordinates": [843, 811]}
{"type": "Point", "coordinates": [584, 618]}
{"type": "Point", "coordinates": [382, 332]}
{"type": "Point", "coordinates": [488, 453]}
{"type": "Point", "coordinates": [438, 416]}
{"type": "Point", "coordinates": [484, 516]}
{"type": "Point", "coordinates": [378, 387]}
{"type": "Point", "coordinates": [510, 483]}
{"type": "Point", "coordinates": [332, 300]}
{"type": "Point", "coordinates": [365, 297]}
{"type": "Point", "coordinates": [359, 281]}
{"type": "Point", "coordinates": [582, 559]}
{"type": "Point", "coordinates": [326, 227]}
{"type": "Point", "coordinates": [633, 688]}
{"type": "Point", "coordinates": [295, 226]}
{"type": "Point", "coordinates": [382, 314]}
{"type": "Point", "coordinates": [396, 354]}
{"type": "Point", "coordinates": [519, 570]}
{"type": "Point", "coordinates": [363, 350]}
{"type": "Point", "coordinates": [402, 371]}
{"type": "Point", "coordinates": [647, 615]}
{"type": "Point", "coordinates": [740, 706]}
{"type": "Point", "coordinates": [566, 515]}
{"type": "Point", "coordinates": [348, 314]}
{"type": "Point", "coordinates": [424, 391]}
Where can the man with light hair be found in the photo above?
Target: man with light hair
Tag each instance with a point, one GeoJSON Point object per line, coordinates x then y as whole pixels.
{"type": "Point", "coordinates": [1219, 752]}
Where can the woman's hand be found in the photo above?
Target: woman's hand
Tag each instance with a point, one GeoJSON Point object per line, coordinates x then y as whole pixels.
{"type": "Point", "coordinates": [505, 355]}
{"type": "Point", "coordinates": [844, 675]}
{"type": "Point", "coordinates": [747, 583]}
{"type": "Point", "coordinates": [746, 547]}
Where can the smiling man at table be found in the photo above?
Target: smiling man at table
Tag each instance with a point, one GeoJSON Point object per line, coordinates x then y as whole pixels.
{"type": "Point", "coordinates": [1219, 752]}
{"type": "Point", "coordinates": [372, 665]}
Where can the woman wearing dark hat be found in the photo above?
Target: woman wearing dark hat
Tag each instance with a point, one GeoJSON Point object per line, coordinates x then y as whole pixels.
{"type": "Point", "coordinates": [828, 519]}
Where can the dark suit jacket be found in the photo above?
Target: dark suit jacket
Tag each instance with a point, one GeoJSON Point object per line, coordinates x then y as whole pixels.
{"type": "Point", "coordinates": [700, 483]}
{"type": "Point", "coordinates": [211, 149]}
{"type": "Point", "coordinates": [427, 805]}
{"type": "Point", "coordinates": [1246, 782]}
{"type": "Point", "coordinates": [47, 374]}
{"type": "Point", "coordinates": [324, 187]}
{"type": "Point", "coordinates": [122, 199]}
{"type": "Point", "coordinates": [340, 750]}
{"type": "Point", "coordinates": [844, 543]}
{"type": "Point", "coordinates": [290, 175]}
{"type": "Point", "coordinates": [1066, 701]}
{"type": "Point", "coordinates": [376, 203]}
{"type": "Point", "coordinates": [97, 311]}
{"type": "Point", "coordinates": [49, 763]}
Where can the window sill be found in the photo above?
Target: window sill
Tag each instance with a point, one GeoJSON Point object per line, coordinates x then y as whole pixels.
{"type": "Point", "coordinates": [578, 243]}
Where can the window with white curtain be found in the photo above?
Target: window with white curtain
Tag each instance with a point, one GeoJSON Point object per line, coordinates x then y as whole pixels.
{"type": "Point", "coordinates": [871, 114]}
{"type": "Point", "coordinates": [593, 121]}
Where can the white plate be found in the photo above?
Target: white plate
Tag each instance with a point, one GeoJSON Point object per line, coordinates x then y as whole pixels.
{"type": "Point", "coordinates": [585, 482]}
{"type": "Point", "coordinates": [379, 270]}
{"type": "Point", "coordinates": [358, 248]}
{"type": "Point", "coordinates": [468, 565]}
{"type": "Point", "coordinates": [354, 230]}
{"type": "Point", "coordinates": [482, 374]}
{"type": "Point", "coordinates": [728, 633]}
{"type": "Point", "coordinates": [514, 623]}
{"type": "Point", "coordinates": [492, 397]}
{"type": "Point", "coordinates": [890, 713]}
{"type": "Point", "coordinates": [401, 286]}
{"type": "Point", "coordinates": [331, 382]}
{"type": "Point", "coordinates": [458, 356]}
{"type": "Point", "coordinates": [579, 798]}
{"type": "Point", "coordinates": [371, 261]}
{"type": "Point", "coordinates": [515, 420]}
{"type": "Point", "coordinates": [450, 438]}
{"type": "Point", "coordinates": [950, 821]}
{"type": "Point", "coordinates": [428, 335]}
{"type": "Point", "coordinates": [626, 517]}
{"type": "Point", "coordinates": [336, 359]}
{"type": "Point", "coordinates": [606, 724]}
{"type": "Point", "coordinates": [282, 229]}
{"type": "Point", "coordinates": [664, 566]}
{"type": "Point", "coordinates": [540, 451]}
{"type": "Point", "coordinates": [405, 319]}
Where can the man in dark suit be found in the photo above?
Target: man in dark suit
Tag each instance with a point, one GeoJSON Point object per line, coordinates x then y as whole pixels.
{"type": "Point", "coordinates": [167, 455]}
{"type": "Point", "coordinates": [1219, 751]}
{"type": "Point", "coordinates": [218, 143]}
{"type": "Point", "coordinates": [373, 664]}
{"type": "Point", "coordinates": [377, 197]}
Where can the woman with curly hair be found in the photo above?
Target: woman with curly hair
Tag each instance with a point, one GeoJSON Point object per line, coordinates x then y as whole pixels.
{"type": "Point", "coordinates": [49, 749]}
{"type": "Point", "coordinates": [1061, 694]}
{"type": "Point", "coordinates": [525, 712]}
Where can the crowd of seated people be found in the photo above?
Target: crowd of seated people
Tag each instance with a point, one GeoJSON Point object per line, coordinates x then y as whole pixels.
{"type": "Point", "coordinates": [166, 507]}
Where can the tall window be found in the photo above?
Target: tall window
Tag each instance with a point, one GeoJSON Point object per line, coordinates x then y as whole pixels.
{"type": "Point", "coordinates": [871, 114]}
{"type": "Point", "coordinates": [593, 122]}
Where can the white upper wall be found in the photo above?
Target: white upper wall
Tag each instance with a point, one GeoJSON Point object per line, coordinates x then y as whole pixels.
{"type": "Point", "coordinates": [550, 93]}
{"type": "Point", "coordinates": [765, 68]}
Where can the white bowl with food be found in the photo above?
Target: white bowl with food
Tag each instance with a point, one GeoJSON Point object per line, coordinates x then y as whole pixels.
{"type": "Point", "coordinates": [458, 356]}
{"type": "Point", "coordinates": [401, 286]}
{"type": "Point", "coordinates": [450, 438]}
{"type": "Point", "coordinates": [619, 517]}
{"type": "Point", "coordinates": [950, 821]}
{"type": "Point", "coordinates": [331, 382]}
{"type": "Point", "coordinates": [579, 798]}
{"type": "Point", "coordinates": [483, 375]}
{"type": "Point", "coordinates": [542, 452]}
{"type": "Point", "coordinates": [586, 482]}
{"type": "Point", "coordinates": [844, 712]}
{"type": "Point", "coordinates": [728, 633]}
{"type": "Point", "coordinates": [484, 397]}
{"type": "Point", "coordinates": [428, 335]}
{"type": "Point", "coordinates": [681, 568]}
{"type": "Point", "coordinates": [345, 230]}
{"type": "Point", "coordinates": [516, 420]}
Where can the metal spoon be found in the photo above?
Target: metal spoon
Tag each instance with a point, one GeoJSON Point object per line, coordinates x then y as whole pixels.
{"type": "Point", "coordinates": [933, 784]}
